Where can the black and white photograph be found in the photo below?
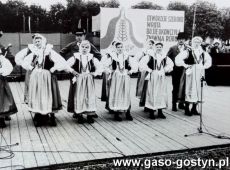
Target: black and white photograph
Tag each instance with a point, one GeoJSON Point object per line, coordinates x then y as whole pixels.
{"type": "Point", "coordinates": [114, 84]}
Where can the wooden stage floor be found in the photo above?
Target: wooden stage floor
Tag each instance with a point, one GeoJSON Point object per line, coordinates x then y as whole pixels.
{"type": "Point", "coordinates": [72, 142]}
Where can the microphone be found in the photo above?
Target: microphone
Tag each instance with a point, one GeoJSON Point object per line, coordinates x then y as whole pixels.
{"type": "Point", "coordinates": [202, 78]}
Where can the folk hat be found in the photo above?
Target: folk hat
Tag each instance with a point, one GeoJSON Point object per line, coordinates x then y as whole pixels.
{"type": "Point", "coordinates": [182, 35]}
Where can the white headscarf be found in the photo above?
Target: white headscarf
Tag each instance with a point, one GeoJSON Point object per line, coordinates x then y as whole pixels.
{"type": "Point", "coordinates": [198, 51]}
{"type": "Point", "coordinates": [85, 42]}
{"type": "Point", "coordinates": [44, 50]}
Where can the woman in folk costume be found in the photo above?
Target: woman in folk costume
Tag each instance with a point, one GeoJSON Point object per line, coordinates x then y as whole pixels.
{"type": "Point", "coordinates": [82, 95]}
{"type": "Point", "coordinates": [19, 60]}
{"type": "Point", "coordinates": [141, 76]}
{"type": "Point", "coordinates": [155, 96]}
{"type": "Point", "coordinates": [119, 99]}
{"type": "Point", "coordinates": [44, 95]}
{"type": "Point", "coordinates": [107, 70]}
{"type": "Point", "coordinates": [195, 61]}
{"type": "Point", "coordinates": [7, 104]}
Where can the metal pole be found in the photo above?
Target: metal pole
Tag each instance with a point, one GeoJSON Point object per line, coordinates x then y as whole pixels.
{"type": "Point", "coordinates": [194, 21]}
{"type": "Point", "coordinates": [201, 104]}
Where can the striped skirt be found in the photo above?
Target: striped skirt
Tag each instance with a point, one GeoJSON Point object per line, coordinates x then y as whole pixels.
{"type": "Point", "coordinates": [119, 92]}
{"type": "Point", "coordinates": [44, 94]}
{"type": "Point", "coordinates": [82, 96]}
{"type": "Point", "coordinates": [156, 92]}
{"type": "Point", "coordinates": [7, 104]}
{"type": "Point", "coordinates": [193, 84]}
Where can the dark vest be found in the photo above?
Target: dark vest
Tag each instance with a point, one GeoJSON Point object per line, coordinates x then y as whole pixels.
{"type": "Point", "coordinates": [47, 63]}
{"type": "Point", "coordinates": [115, 64]}
{"type": "Point", "coordinates": [152, 64]}
{"type": "Point", "coordinates": [191, 59]}
{"type": "Point", "coordinates": [78, 66]}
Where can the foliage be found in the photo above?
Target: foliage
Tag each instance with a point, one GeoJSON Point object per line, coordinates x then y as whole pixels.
{"type": "Point", "coordinates": [110, 4]}
{"type": "Point", "coordinates": [14, 15]}
{"type": "Point", "coordinates": [147, 5]}
{"type": "Point", "coordinates": [208, 19]}
{"type": "Point", "coordinates": [179, 6]}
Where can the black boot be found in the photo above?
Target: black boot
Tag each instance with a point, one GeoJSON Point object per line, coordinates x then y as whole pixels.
{"type": "Point", "coordinates": [181, 106]}
{"type": "Point", "coordinates": [75, 116]}
{"type": "Point", "coordinates": [52, 120]}
{"type": "Point", "coordinates": [187, 111]}
{"type": "Point", "coordinates": [81, 119]}
{"type": "Point", "coordinates": [7, 118]}
{"type": "Point", "coordinates": [128, 116]}
{"type": "Point", "coordinates": [2, 123]}
{"type": "Point", "coordinates": [90, 119]}
{"type": "Point", "coordinates": [37, 120]}
{"type": "Point", "coordinates": [117, 117]}
{"type": "Point", "coordinates": [146, 109]}
{"type": "Point", "coordinates": [151, 114]}
{"type": "Point", "coordinates": [94, 115]}
{"type": "Point", "coordinates": [194, 110]}
{"type": "Point", "coordinates": [174, 107]}
{"type": "Point", "coordinates": [160, 114]}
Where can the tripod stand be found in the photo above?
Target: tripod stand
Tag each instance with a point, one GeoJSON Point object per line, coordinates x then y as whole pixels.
{"type": "Point", "coordinates": [6, 149]}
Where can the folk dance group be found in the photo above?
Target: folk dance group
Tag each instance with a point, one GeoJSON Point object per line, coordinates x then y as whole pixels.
{"type": "Point", "coordinates": [83, 62]}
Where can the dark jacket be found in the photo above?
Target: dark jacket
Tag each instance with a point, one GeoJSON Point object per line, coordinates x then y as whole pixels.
{"type": "Point", "coordinates": [73, 47]}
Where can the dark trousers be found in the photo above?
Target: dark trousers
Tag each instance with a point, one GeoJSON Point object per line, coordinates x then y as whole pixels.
{"type": "Point", "coordinates": [176, 78]}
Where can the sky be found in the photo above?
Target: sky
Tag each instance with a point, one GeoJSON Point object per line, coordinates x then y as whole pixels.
{"type": "Point", "coordinates": [126, 3]}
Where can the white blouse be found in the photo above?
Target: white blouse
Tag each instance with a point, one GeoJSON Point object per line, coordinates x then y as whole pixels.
{"type": "Point", "coordinates": [59, 62]}
{"type": "Point", "coordinates": [120, 59]}
{"type": "Point", "coordinates": [84, 60]}
{"type": "Point", "coordinates": [5, 66]}
{"type": "Point", "coordinates": [143, 65]}
{"type": "Point", "coordinates": [179, 60]}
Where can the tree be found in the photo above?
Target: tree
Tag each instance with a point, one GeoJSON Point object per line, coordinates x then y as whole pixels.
{"type": "Point", "coordinates": [11, 15]}
{"type": "Point", "coordinates": [208, 20]}
{"type": "Point", "coordinates": [93, 8]}
{"type": "Point", "coordinates": [179, 6]}
{"type": "Point", "coordinates": [39, 19]}
{"type": "Point", "coordinates": [58, 17]}
{"type": "Point", "coordinates": [225, 15]}
{"type": "Point", "coordinates": [110, 4]}
{"type": "Point", "coordinates": [76, 9]}
{"type": "Point", "coordinates": [147, 5]}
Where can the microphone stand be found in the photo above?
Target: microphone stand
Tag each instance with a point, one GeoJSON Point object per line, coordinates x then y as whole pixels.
{"type": "Point", "coordinates": [200, 128]}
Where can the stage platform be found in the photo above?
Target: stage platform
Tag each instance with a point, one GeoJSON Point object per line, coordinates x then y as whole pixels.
{"type": "Point", "coordinates": [71, 142]}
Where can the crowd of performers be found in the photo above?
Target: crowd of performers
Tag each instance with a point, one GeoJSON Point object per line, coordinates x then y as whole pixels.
{"type": "Point", "coordinates": [186, 65]}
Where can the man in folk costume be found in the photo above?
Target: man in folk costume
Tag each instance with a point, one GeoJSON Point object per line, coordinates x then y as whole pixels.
{"type": "Point", "coordinates": [73, 47]}
{"type": "Point", "coordinates": [119, 99]}
{"type": "Point", "coordinates": [44, 95]}
{"type": "Point", "coordinates": [7, 104]}
{"type": "Point", "coordinates": [106, 60]}
{"type": "Point", "coordinates": [19, 60]}
{"type": "Point", "coordinates": [141, 76]}
{"type": "Point", "coordinates": [82, 94]}
{"type": "Point", "coordinates": [177, 71]}
{"type": "Point", "coordinates": [155, 97]}
{"type": "Point", "coordinates": [195, 61]}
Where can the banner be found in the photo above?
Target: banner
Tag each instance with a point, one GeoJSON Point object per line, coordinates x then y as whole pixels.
{"type": "Point", "coordinates": [133, 27]}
